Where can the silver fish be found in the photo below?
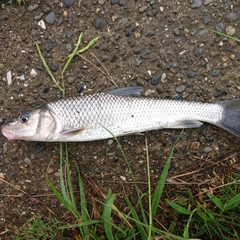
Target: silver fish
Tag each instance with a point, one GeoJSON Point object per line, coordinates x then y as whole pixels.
{"type": "Point", "coordinates": [86, 118]}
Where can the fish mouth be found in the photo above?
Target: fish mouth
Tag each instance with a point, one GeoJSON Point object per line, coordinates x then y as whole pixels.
{"type": "Point", "coordinates": [9, 135]}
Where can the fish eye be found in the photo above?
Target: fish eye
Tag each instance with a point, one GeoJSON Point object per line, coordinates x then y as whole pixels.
{"type": "Point", "coordinates": [23, 118]}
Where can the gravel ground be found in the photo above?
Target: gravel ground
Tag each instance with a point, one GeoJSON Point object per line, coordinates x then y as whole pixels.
{"type": "Point", "coordinates": [164, 46]}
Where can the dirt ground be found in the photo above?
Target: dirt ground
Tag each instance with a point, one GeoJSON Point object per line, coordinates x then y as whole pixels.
{"type": "Point", "coordinates": [163, 46]}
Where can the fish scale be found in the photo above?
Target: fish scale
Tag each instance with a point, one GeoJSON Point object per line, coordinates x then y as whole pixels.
{"type": "Point", "coordinates": [86, 118]}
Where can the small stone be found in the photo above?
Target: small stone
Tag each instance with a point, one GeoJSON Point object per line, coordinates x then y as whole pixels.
{"type": "Point", "coordinates": [219, 27]}
{"type": "Point", "coordinates": [50, 18]}
{"type": "Point", "coordinates": [9, 78]}
{"type": "Point", "coordinates": [122, 23]}
{"type": "Point", "coordinates": [80, 87]}
{"type": "Point", "coordinates": [41, 23]}
{"type": "Point", "coordinates": [177, 40]}
{"type": "Point", "coordinates": [195, 145]}
{"type": "Point", "coordinates": [49, 47]}
{"type": "Point", "coordinates": [207, 2]}
{"type": "Point", "coordinates": [54, 67]}
{"type": "Point", "coordinates": [68, 3]}
{"type": "Point", "coordinates": [69, 47]}
{"type": "Point", "coordinates": [27, 160]}
{"type": "Point", "coordinates": [110, 142]}
{"type": "Point", "coordinates": [203, 32]}
{"type": "Point", "coordinates": [137, 49]}
{"type": "Point", "coordinates": [22, 77]}
{"type": "Point", "coordinates": [233, 57]}
{"type": "Point", "coordinates": [160, 88]}
{"type": "Point", "coordinates": [142, 9]}
{"type": "Point", "coordinates": [113, 2]}
{"type": "Point", "coordinates": [100, 23]}
{"type": "Point", "coordinates": [230, 30]}
{"type": "Point", "coordinates": [207, 149]}
{"type": "Point", "coordinates": [156, 79]}
{"type": "Point", "coordinates": [70, 79]}
{"type": "Point", "coordinates": [224, 59]}
{"type": "Point", "coordinates": [40, 146]}
{"type": "Point", "coordinates": [69, 34]}
{"type": "Point", "coordinates": [191, 74]}
{"type": "Point", "coordinates": [32, 7]}
{"type": "Point", "coordinates": [39, 16]}
{"type": "Point", "coordinates": [216, 73]}
{"type": "Point", "coordinates": [181, 89]}
{"type": "Point", "coordinates": [231, 17]}
{"type": "Point", "coordinates": [2, 176]}
{"type": "Point", "coordinates": [140, 82]}
{"type": "Point", "coordinates": [101, 2]}
{"type": "Point", "coordinates": [46, 89]}
{"type": "Point", "coordinates": [33, 73]}
{"type": "Point", "coordinates": [196, 4]}
{"type": "Point", "coordinates": [50, 170]}
{"type": "Point", "coordinates": [176, 31]}
{"type": "Point", "coordinates": [138, 62]}
{"type": "Point", "coordinates": [122, 3]}
{"type": "Point", "coordinates": [206, 20]}
{"type": "Point", "coordinates": [149, 33]}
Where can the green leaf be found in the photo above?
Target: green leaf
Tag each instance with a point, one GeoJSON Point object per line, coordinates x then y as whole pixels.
{"type": "Point", "coordinates": [232, 203]}
{"type": "Point", "coordinates": [179, 208]}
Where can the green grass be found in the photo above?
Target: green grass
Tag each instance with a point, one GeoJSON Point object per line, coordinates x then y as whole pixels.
{"type": "Point", "coordinates": [38, 229]}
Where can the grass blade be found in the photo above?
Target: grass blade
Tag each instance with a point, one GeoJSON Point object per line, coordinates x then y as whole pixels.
{"type": "Point", "coordinates": [161, 182]}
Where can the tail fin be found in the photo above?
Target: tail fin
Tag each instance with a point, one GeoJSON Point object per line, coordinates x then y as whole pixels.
{"type": "Point", "coordinates": [231, 116]}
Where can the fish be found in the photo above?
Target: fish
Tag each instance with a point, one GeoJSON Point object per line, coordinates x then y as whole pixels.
{"type": "Point", "coordinates": [118, 112]}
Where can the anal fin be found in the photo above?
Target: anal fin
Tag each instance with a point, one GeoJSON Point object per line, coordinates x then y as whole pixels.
{"type": "Point", "coordinates": [186, 124]}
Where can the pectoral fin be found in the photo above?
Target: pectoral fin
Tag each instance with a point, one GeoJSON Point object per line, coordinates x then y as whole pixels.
{"type": "Point", "coordinates": [73, 132]}
{"type": "Point", "coordinates": [186, 124]}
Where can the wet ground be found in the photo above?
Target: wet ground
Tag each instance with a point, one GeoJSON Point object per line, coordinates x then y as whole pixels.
{"type": "Point", "coordinates": [161, 45]}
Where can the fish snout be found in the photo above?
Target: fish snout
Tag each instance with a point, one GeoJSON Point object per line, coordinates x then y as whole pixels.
{"type": "Point", "coordinates": [7, 133]}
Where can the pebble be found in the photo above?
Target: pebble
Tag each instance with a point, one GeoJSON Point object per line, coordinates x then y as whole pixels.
{"type": "Point", "coordinates": [138, 62]}
{"type": "Point", "coordinates": [39, 16]}
{"type": "Point", "coordinates": [149, 33]}
{"type": "Point", "coordinates": [68, 3]}
{"type": "Point", "coordinates": [195, 145]}
{"type": "Point", "coordinates": [113, 2]}
{"type": "Point", "coordinates": [9, 78]}
{"type": "Point", "coordinates": [41, 23]}
{"type": "Point", "coordinates": [110, 142]}
{"type": "Point", "coordinates": [137, 49]}
{"type": "Point", "coordinates": [33, 73]}
{"type": "Point", "coordinates": [203, 32]}
{"type": "Point", "coordinates": [54, 67]}
{"type": "Point", "coordinates": [216, 73]}
{"type": "Point", "coordinates": [122, 3]}
{"type": "Point", "coordinates": [80, 87]}
{"type": "Point", "coordinates": [32, 7]}
{"type": "Point", "coordinates": [219, 27]}
{"type": "Point", "coordinates": [100, 23]}
{"type": "Point", "coordinates": [50, 18]}
{"type": "Point", "coordinates": [40, 146]}
{"type": "Point", "coordinates": [2, 176]}
{"type": "Point", "coordinates": [122, 23]}
{"type": "Point", "coordinates": [231, 17]}
{"type": "Point", "coordinates": [191, 74]}
{"type": "Point", "coordinates": [49, 47]}
{"type": "Point", "coordinates": [176, 31]}
{"type": "Point", "coordinates": [206, 20]}
{"type": "Point", "coordinates": [208, 2]}
{"type": "Point", "coordinates": [181, 89]}
{"type": "Point", "coordinates": [160, 88]}
{"type": "Point", "coordinates": [69, 47]}
{"type": "Point", "coordinates": [196, 4]}
{"type": "Point", "coordinates": [142, 9]}
{"type": "Point", "coordinates": [27, 160]}
{"type": "Point", "coordinates": [207, 149]}
{"type": "Point", "coordinates": [70, 79]}
{"type": "Point", "coordinates": [46, 89]}
{"type": "Point", "coordinates": [177, 40]}
{"type": "Point", "coordinates": [230, 30]}
{"type": "Point", "coordinates": [156, 79]}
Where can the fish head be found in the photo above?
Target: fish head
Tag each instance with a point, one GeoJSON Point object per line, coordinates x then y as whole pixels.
{"type": "Point", "coordinates": [36, 125]}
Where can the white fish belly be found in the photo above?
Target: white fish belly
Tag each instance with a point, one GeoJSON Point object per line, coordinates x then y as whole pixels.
{"type": "Point", "coordinates": [125, 115]}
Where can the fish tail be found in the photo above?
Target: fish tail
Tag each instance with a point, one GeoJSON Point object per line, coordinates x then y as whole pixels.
{"type": "Point", "coordinates": [231, 116]}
